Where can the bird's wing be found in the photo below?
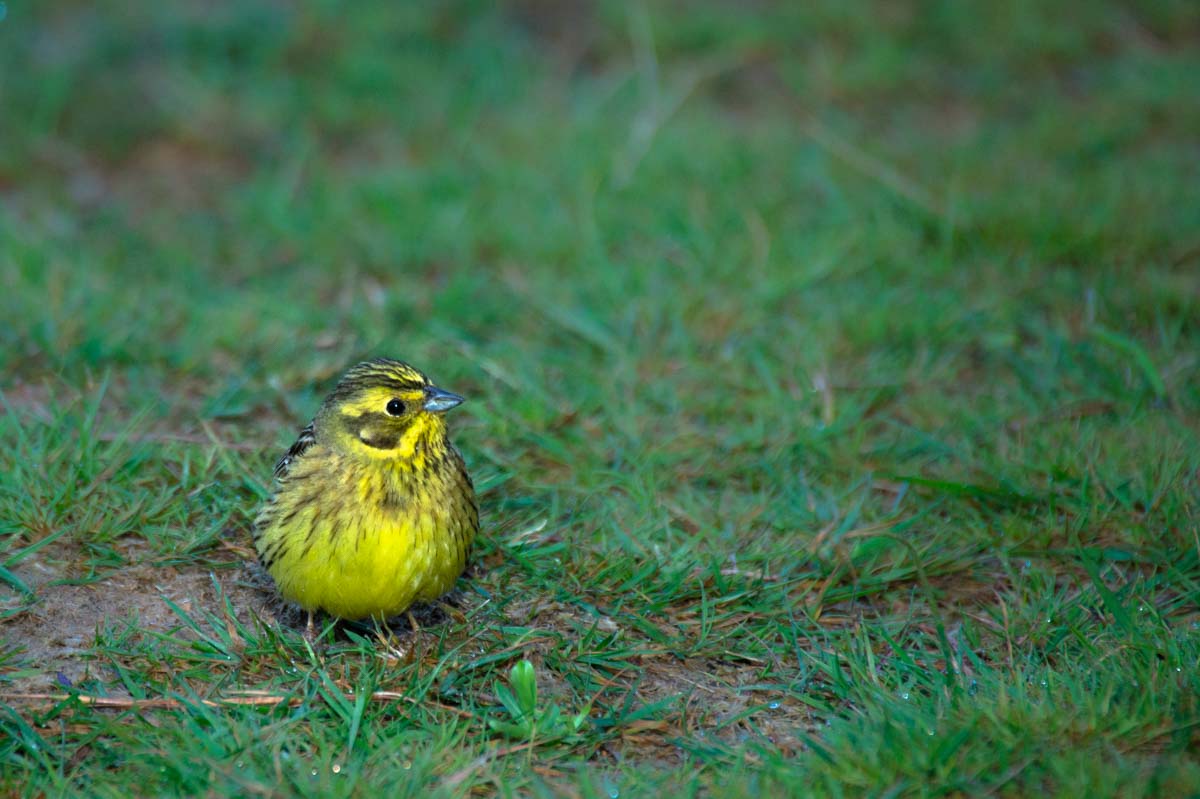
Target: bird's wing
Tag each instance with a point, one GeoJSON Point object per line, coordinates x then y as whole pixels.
{"type": "Point", "coordinates": [306, 440]}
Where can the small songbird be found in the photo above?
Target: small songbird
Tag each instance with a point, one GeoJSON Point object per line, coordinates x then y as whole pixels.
{"type": "Point", "coordinates": [374, 508]}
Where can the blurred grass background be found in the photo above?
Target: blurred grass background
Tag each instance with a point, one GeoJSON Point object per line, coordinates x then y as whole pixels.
{"type": "Point", "coordinates": [832, 366]}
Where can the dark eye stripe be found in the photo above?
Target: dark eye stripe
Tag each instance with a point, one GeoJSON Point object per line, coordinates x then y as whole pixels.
{"type": "Point", "coordinates": [384, 433]}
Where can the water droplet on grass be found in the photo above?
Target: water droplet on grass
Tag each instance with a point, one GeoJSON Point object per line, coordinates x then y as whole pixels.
{"type": "Point", "coordinates": [337, 768]}
{"type": "Point", "coordinates": [774, 706]}
{"type": "Point", "coordinates": [904, 695]}
{"type": "Point", "coordinates": [973, 688]}
{"type": "Point", "coordinates": [407, 765]}
{"type": "Point", "coordinates": [314, 772]}
{"type": "Point", "coordinates": [239, 764]}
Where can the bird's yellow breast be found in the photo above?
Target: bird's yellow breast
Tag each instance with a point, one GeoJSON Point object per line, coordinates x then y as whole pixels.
{"type": "Point", "coordinates": [368, 539]}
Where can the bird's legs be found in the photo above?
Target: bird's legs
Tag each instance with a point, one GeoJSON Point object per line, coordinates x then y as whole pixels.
{"type": "Point", "coordinates": [394, 648]}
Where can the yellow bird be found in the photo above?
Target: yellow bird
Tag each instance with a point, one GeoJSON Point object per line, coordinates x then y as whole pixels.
{"type": "Point", "coordinates": [374, 508]}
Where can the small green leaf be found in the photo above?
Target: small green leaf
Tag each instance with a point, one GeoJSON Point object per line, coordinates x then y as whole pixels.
{"type": "Point", "coordinates": [524, 683]}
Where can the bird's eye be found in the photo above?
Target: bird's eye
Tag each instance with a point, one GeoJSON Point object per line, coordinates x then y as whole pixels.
{"type": "Point", "coordinates": [395, 407]}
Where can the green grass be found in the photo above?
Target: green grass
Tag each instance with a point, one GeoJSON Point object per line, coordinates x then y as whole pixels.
{"type": "Point", "coordinates": [834, 377]}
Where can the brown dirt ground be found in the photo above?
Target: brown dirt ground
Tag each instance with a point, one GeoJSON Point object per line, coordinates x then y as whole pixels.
{"type": "Point", "coordinates": [55, 633]}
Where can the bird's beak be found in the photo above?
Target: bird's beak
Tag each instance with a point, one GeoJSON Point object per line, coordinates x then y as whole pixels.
{"type": "Point", "coordinates": [437, 400]}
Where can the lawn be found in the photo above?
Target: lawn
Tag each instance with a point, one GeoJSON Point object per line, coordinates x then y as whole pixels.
{"type": "Point", "coordinates": [833, 374]}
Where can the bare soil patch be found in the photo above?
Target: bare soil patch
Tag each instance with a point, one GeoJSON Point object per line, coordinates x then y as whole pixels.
{"type": "Point", "coordinates": [56, 633]}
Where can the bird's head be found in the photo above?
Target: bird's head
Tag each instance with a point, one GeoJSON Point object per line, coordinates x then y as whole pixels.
{"type": "Point", "coordinates": [385, 409]}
